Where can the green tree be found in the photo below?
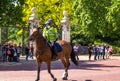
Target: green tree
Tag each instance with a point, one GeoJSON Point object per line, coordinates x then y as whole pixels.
{"type": "Point", "coordinates": [11, 12]}
{"type": "Point", "coordinates": [48, 9]}
{"type": "Point", "coordinates": [113, 19]}
{"type": "Point", "coordinates": [10, 17]}
{"type": "Point", "coordinates": [93, 19]}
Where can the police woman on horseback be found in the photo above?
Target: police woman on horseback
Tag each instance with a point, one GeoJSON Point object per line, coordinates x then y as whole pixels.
{"type": "Point", "coordinates": [51, 34]}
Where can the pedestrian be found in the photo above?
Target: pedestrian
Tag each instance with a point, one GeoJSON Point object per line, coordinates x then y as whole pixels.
{"type": "Point", "coordinates": [50, 32]}
{"type": "Point", "coordinates": [101, 51]}
{"type": "Point", "coordinates": [104, 47]}
{"type": "Point", "coordinates": [90, 51]}
{"type": "Point", "coordinates": [4, 52]}
{"type": "Point", "coordinates": [15, 56]}
{"type": "Point", "coordinates": [9, 53]}
{"type": "Point", "coordinates": [98, 52]}
{"type": "Point", "coordinates": [106, 52]}
{"type": "Point", "coordinates": [27, 52]}
{"type": "Point", "coordinates": [110, 51]}
{"type": "Point", "coordinates": [95, 52]}
{"type": "Point", "coordinates": [31, 51]}
{"type": "Point", "coordinates": [19, 48]}
{"type": "Point", "coordinates": [76, 50]}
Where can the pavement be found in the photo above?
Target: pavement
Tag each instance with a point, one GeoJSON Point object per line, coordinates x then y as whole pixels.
{"type": "Point", "coordinates": [101, 70]}
{"type": "Point", "coordinates": [22, 61]}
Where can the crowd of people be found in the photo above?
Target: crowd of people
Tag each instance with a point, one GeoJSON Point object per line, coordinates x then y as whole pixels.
{"type": "Point", "coordinates": [29, 51]}
{"type": "Point", "coordinates": [101, 51]}
{"type": "Point", "coordinates": [12, 52]}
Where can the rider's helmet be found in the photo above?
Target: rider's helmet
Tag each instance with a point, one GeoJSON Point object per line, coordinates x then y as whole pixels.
{"type": "Point", "coordinates": [49, 21]}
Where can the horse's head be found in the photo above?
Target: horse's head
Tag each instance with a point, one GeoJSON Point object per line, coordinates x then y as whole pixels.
{"type": "Point", "coordinates": [35, 34]}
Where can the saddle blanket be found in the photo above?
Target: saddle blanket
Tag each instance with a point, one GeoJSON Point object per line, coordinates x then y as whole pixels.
{"type": "Point", "coordinates": [58, 47]}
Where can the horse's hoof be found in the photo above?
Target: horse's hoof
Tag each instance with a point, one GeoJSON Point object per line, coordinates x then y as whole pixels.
{"type": "Point", "coordinates": [64, 78]}
{"type": "Point", "coordinates": [55, 79]}
{"type": "Point", "coordinates": [37, 80]}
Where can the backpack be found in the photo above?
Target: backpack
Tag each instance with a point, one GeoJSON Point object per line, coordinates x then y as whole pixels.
{"type": "Point", "coordinates": [8, 52]}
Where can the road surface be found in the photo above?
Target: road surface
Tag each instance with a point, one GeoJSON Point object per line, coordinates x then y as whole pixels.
{"type": "Point", "coordinates": [102, 70]}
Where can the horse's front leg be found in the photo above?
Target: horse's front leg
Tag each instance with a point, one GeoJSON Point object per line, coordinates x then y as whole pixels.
{"type": "Point", "coordinates": [49, 71]}
{"type": "Point", "coordinates": [38, 71]}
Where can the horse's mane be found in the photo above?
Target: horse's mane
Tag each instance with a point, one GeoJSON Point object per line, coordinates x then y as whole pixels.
{"type": "Point", "coordinates": [44, 39]}
{"type": "Point", "coordinates": [39, 34]}
{"type": "Point", "coordinates": [38, 37]}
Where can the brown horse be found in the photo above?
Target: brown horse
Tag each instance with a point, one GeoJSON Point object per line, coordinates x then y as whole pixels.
{"type": "Point", "coordinates": [43, 54]}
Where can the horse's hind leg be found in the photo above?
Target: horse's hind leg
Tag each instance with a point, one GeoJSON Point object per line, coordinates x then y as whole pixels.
{"type": "Point", "coordinates": [66, 65]}
{"type": "Point", "coordinates": [49, 71]}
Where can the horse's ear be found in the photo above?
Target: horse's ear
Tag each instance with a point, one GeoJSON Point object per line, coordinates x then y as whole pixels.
{"type": "Point", "coordinates": [34, 29]}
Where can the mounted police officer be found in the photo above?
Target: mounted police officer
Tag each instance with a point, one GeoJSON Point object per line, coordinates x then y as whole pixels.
{"type": "Point", "coordinates": [51, 34]}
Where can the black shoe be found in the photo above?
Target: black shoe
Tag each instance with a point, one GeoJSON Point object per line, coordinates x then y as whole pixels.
{"type": "Point", "coordinates": [55, 58]}
{"type": "Point", "coordinates": [103, 58]}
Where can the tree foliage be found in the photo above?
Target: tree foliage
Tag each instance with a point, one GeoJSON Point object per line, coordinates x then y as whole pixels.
{"type": "Point", "coordinates": [11, 12]}
{"type": "Point", "coordinates": [113, 19]}
{"type": "Point", "coordinates": [97, 19]}
{"type": "Point", "coordinates": [48, 9]}
{"type": "Point", "coordinates": [10, 17]}
{"type": "Point", "coordinates": [90, 19]}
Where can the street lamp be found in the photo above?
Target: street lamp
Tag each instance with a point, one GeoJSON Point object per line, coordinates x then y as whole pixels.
{"type": "Point", "coordinates": [65, 24]}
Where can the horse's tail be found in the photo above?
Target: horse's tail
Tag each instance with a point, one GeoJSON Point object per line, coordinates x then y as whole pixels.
{"type": "Point", "coordinates": [72, 56]}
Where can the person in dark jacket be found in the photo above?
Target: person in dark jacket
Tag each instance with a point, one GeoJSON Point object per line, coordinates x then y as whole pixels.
{"type": "Point", "coordinates": [27, 52]}
{"type": "Point", "coordinates": [90, 50]}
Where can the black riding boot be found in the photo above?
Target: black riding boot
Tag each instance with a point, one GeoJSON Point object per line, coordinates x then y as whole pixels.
{"type": "Point", "coordinates": [55, 56]}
